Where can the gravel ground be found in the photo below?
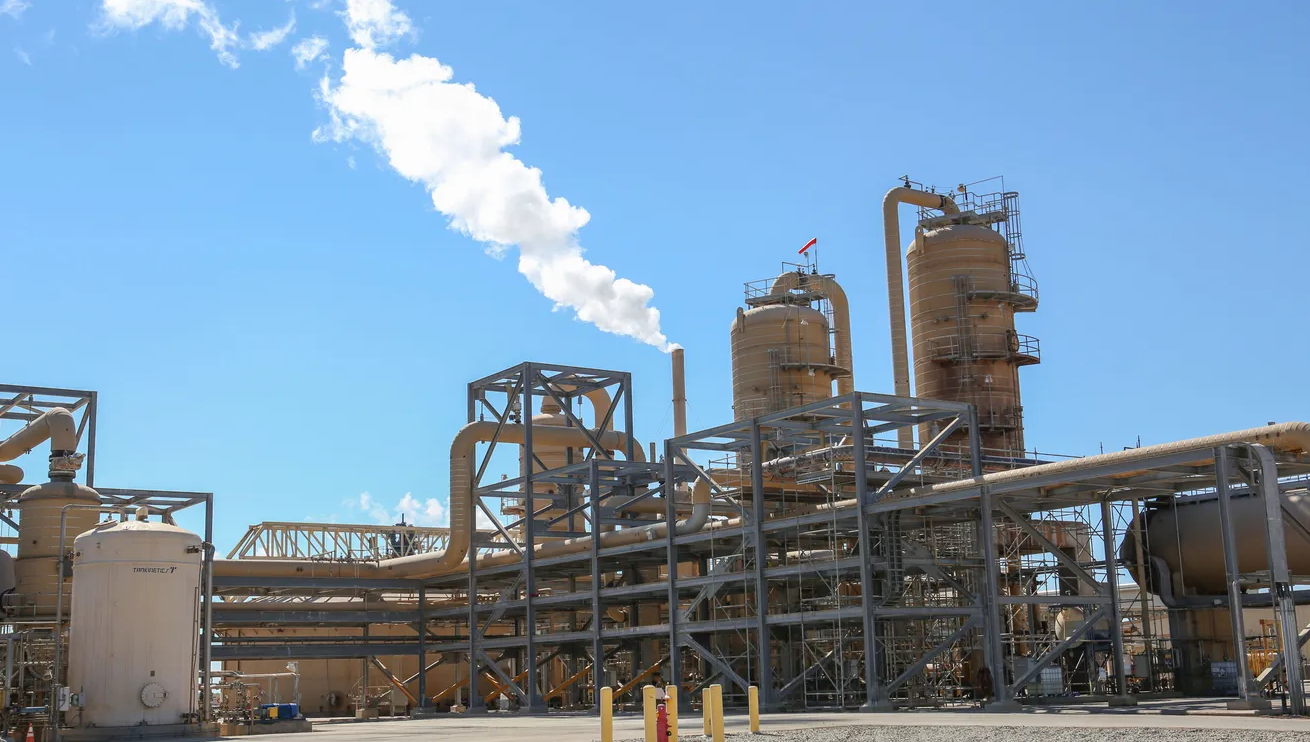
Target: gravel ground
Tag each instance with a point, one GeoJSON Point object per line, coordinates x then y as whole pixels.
{"type": "Point", "coordinates": [907, 733]}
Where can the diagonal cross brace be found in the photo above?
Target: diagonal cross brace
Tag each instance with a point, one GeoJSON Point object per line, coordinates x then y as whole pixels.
{"type": "Point", "coordinates": [1028, 528]}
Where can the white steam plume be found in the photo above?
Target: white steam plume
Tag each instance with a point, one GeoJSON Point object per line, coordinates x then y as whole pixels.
{"type": "Point", "coordinates": [452, 139]}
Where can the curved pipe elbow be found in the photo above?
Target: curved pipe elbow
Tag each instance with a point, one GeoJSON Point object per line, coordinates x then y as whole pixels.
{"type": "Point", "coordinates": [841, 317]}
{"type": "Point", "coordinates": [55, 425]}
{"type": "Point", "coordinates": [10, 474]}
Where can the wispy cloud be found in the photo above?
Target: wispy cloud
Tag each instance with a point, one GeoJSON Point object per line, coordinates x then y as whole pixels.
{"type": "Point", "coordinates": [264, 40]}
{"type": "Point", "coordinates": [175, 15]}
{"type": "Point", "coordinates": [23, 56]}
{"type": "Point", "coordinates": [308, 50]}
{"type": "Point", "coordinates": [13, 8]}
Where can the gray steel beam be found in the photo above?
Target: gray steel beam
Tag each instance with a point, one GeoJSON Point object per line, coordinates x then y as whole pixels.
{"type": "Point", "coordinates": [1228, 541]}
{"type": "Point", "coordinates": [765, 647]}
{"type": "Point", "coordinates": [1116, 615]}
{"type": "Point", "coordinates": [873, 697]}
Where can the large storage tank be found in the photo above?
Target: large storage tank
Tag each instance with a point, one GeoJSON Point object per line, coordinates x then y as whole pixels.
{"type": "Point", "coordinates": [37, 567]}
{"type": "Point", "coordinates": [1187, 538]}
{"type": "Point", "coordinates": [134, 633]}
{"type": "Point", "coordinates": [780, 359]}
{"type": "Point", "coordinates": [962, 304]}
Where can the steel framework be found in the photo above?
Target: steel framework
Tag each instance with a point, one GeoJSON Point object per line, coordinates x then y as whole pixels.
{"type": "Point", "coordinates": [837, 569]}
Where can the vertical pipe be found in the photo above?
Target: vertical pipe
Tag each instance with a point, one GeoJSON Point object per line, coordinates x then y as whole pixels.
{"type": "Point", "coordinates": [606, 714]}
{"type": "Point", "coordinates": [679, 395]}
{"type": "Point", "coordinates": [597, 644]}
{"type": "Point", "coordinates": [1266, 469]}
{"type": "Point", "coordinates": [1229, 542]}
{"type": "Point", "coordinates": [1116, 610]}
{"type": "Point", "coordinates": [422, 648]}
{"type": "Point", "coordinates": [533, 694]}
{"type": "Point", "coordinates": [872, 688]}
{"type": "Point", "coordinates": [671, 544]}
{"type": "Point", "coordinates": [757, 516]}
{"type": "Point", "coordinates": [891, 224]}
{"type": "Point", "coordinates": [207, 611]}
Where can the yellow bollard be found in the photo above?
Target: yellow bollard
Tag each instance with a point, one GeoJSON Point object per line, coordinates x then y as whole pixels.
{"type": "Point", "coordinates": [707, 711]}
{"type": "Point", "coordinates": [606, 714]}
{"type": "Point", "coordinates": [671, 709]}
{"type": "Point", "coordinates": [718, 712]}
{"type": "Point", "coordinates": [754, 695]}
{"type": "Point", "coordinates": [648, 709]}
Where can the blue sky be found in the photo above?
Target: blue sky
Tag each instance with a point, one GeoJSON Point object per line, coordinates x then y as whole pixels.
{"type": "Point", "coordinates": [287, 322]}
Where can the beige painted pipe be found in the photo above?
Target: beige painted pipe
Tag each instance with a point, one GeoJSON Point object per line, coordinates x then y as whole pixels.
{"type": "Point", "coordinates": [841, 317]}
{"type": "Point", "coordinates": [55, 424]}
{"type": "Point", "coordinates": [463, 456]}
{"type": "Point", "coordinates": [599, 399]}
{"type": "Point", "coordinates": [1286, 437]}
{"type": "Point", "coordinates": [891, 225]}
{"type": "Point", "coordinates": [10, 474]}
{"type": "Point", "coordinates": [679, 394]}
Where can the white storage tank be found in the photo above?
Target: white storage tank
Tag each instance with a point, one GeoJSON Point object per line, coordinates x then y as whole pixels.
{"type": "Point", "coordinates": [134, 631]}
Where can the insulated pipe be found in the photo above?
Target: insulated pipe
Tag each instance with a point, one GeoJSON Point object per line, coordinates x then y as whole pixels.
{"type": "Point", "coordinates": [463, 456]}
{"type": "Point", "coordinates": [10, 474]}
{"type": "Point", "coordinates": [55, 424]}
{"type": "Point", "coordinates": [599, 399]}
{"type": "Point", "coordinates": [891, 225]}
{"type": "Point", "coordinates": [841, 316]}
{"type": "Point", "coordinates": [679, 394]}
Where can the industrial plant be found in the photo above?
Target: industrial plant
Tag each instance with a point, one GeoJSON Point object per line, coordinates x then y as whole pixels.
{"type": "Point", "coordinates": [832, 547]}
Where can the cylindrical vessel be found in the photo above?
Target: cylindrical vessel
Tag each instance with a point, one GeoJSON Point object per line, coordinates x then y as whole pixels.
{"type": "Point", "coordinates": [781, 358]}
{"type": "Point", "coordinates": [37, 567]}
{"type": "Point", "coordinates": [1187, 538]}
{"type": "Point", "coordinates": [962, 305]}
{"type": "Point", "coordinates": [134, 634]}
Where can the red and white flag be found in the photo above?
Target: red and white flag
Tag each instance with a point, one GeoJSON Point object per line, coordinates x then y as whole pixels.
{"type": "Point", "coordinates": [808, 245]}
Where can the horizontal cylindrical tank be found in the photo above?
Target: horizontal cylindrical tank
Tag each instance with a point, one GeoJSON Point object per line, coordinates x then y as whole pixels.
{"type": "Point", "coordinates": [962, 306]}
{"type": "Point", "coordinates": [1187, 538]}
{"type": "Point", "coordinates": [134, 633]}
{"type": "Point", "coordinates": [780, 359]}
{"type": "Point", "coordinates": [37, 567]}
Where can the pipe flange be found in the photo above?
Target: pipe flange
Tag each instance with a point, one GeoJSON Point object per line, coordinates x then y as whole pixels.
{"type": "Point", "coordinates": [66, 462]}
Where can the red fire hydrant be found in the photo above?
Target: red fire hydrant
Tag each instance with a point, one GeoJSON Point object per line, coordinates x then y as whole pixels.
{"type": "Point", "coordinates": [661, 717]}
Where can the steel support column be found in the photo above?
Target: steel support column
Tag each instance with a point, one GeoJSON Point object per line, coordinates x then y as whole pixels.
{"type": "Point", "coordinates": [1266, 471]}
{"type": "Point", "coordinates": [1116, 613]}
{"type": "Point", "coordinates": [1222, 474]}
{"type": "Point", "coordinates": [532, 691]}
{"type": "Point", "coordinates": [422, 648]}
{"type": "Point", "coordinates": [671, 518]}
{"type": "Point", "coordinates": [873, 695]}
{"type": "Point", "coordinates": [993, 654]}
{"type": "Point", "coordinates": [597, 644]}
{"type": "Point", "coordinates": [765, 681]}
